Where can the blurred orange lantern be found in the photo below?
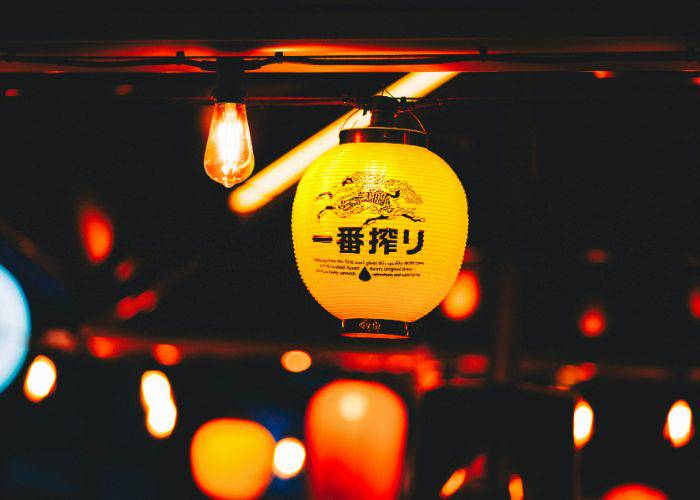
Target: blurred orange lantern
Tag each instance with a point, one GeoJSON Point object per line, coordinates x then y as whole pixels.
{"type": "Point", "coordinates": [634, 492]}
{"type": "Point", "coordinates": [356, 434]}
{"type": "Point", "coordinates": [232, 458]}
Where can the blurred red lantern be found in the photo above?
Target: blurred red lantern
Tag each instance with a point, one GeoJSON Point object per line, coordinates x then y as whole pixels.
{"type": "Point", "coordinates": [356, 434]}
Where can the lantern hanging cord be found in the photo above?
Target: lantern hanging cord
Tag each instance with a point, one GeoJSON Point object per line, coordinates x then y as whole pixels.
{"type": "Point", "coordinates": [211, 63]}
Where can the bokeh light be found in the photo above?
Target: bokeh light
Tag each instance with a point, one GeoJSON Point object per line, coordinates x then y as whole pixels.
{"type": "Point", "coordinates": [583, 424]}
{"type": "Point", "coordinates": [289, 458]}
{"type": "Point", "coordinates": [694, 302]}
{"type": "Point", "coordinates": [167, 354]}
{"type": "Point", "coordinates": [453, 483]}
{"type": "Point", "coordinates": [516, 490]}
{"type": "Point", "coordinates": [40, 380]}
{"type": "Point", "coordinates": [679, 424]}
{"type": "Point", "coordinates": [355, 440]}
{"type": "Point", "coordinates": [158, 403]}
{"type": "Point", "coordinates": [296, 361]}
{"type": "Point", "coordinates": [463, 299]}
{"type": "Point", "coordinates": [96, 233]}
{"type": "Point", "coordinates": [15, 326]}
{"type": "Point", "coordinates": [634, 492]}
{"type": "Point", "coordinates": [592, 322]}
{"type": "Point", "coordinates": [232, 459]}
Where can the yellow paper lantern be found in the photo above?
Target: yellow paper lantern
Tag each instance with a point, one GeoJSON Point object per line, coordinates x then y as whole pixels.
{"type": "Point", "coordinates": [379, 226]}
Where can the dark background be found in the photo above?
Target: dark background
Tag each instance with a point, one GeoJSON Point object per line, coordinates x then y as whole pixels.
{"type": "Point", "coordinates": [554, 164]}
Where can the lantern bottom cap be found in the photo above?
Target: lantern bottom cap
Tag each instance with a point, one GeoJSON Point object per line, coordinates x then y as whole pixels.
{"type": "Point", "coordinates": [374, 328]}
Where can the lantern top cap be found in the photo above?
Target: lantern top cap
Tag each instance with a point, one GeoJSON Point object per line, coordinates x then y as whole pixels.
{"type": "Point", "coordinates": [390, 135]}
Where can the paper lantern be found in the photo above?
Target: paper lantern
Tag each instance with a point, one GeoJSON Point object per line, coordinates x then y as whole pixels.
{"type": "Point", "coordinates": [379, 226]}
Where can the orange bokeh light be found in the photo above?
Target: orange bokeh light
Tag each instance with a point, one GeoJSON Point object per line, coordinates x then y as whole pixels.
{"type": "Point", "coordinates": [40, 380]}
{"type": "Point", "coordinates": [634, 492]}
{"type": "Point", "coordinates": [694, 302]}
{"type": "Point", "coordinates": [463, 298]}
{"type": "Point", "coordinates": [583, 424]}
{"type": "Point", "coordinates": [96, 233]}
{"type": "Point", "coordinates": [602, 75]}
{"type": "Point", "coordinates": [356, 436]}
{"type": "Point", "coordinates": [296, 361]}
{"type": "Point", "coordinates": [679, 427]}
{"type": "Point", "coordinates": [103, 347]}
{"type": "Point", "coordinates": [592, 322]}
{"type": "Point", "coordinates": [453, 483]}
{"type": "Point", "coordinates": [232, 458]}
{"type": "Point", "coordinates": [167, 354]}
{"type": "Point", "coordinates": [516, 488]}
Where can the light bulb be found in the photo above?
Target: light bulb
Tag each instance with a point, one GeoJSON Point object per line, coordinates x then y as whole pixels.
{"type": "Point", "coordinates": [228, 158]}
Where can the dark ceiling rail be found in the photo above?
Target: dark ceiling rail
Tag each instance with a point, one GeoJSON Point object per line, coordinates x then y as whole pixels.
{"type": "Point", "coordinates": [253, 63]}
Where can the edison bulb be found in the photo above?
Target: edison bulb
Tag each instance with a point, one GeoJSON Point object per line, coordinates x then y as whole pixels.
{"type": "Point", "coordinates": [228, 158]}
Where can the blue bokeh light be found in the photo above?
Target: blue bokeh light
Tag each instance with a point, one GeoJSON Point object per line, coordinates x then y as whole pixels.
{"type": "Point", "coordinates": [15, 326]}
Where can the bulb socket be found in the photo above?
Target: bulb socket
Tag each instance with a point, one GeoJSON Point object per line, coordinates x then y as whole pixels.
{"type": "Point", "coordinates": [229, 87]}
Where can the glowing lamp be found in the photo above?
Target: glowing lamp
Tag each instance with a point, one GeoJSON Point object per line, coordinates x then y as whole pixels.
{"type": "Point", "coordinates": [355, 440]}
{"type": "Point", "coordinates": [228, 157]}
{"type": "Point", "coordinates": [15, 326]}
{"type": "Point", "coordinates": [232, 458]}
{"type": "Point", "coordinates": [379, 225]}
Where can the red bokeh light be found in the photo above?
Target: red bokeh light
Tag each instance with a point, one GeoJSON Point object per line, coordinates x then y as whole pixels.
{"type": "Point", "coordinates": [124, 270]}
{"type": "Point", "coordinates": [128, 307]}
{"type": "Point", "coordinates": [123, 89]}
{"type": "Point", "coordinates": [167, 354]}
{"type": "Point", "coordinates": [12, 92]}
{"type": "Point", "coordinates": [597, 256]}
{"type": "Point", "coordinates": [694, 302]}
{"type": "Point", "coordinates": [473, 364]}
{"type": "Point", "coordinates": [695, 80]}
{"type": "Point", "coordinates": [592, 322]}
{"type": "Point", "coordinates": [96, 233]}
